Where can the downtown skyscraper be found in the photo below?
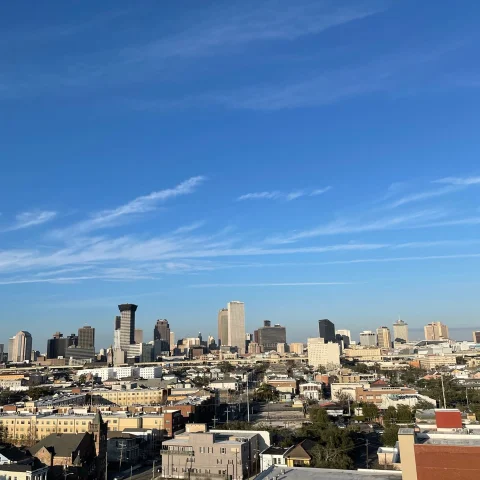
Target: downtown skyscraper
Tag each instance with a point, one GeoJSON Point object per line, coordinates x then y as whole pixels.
{"type": "Point", "coordinates": [127, 325]}
{"type": "Point", "coordinates": [223, 327]}
{"type": "Point", "coordinates": [326, 330]}
{"type": "Point", "coordinates": [161, 336]}
{"type": "Point", "coordinates": [20, 347]}
{"type": "Point", "coordinates": [236, 325]}
{"type": "Point", "coordinates": [400, 331]}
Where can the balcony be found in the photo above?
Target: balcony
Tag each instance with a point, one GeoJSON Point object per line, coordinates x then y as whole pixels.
{"type": "Point", "coordinates": [166, 451]}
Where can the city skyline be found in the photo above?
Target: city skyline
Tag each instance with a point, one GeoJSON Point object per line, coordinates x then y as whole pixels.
{"type": "Point", "coordinates": [181, 157]}
{"type": "Point", "coordinates": [292, 336]}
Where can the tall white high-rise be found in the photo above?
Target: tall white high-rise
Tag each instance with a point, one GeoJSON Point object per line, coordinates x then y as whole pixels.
{"type": "Point", "coordinates": [400, 331]}
{"type": "Point", "coordinates": [21, 347]}
{"type": "Point", "coordinates": [236, 325]}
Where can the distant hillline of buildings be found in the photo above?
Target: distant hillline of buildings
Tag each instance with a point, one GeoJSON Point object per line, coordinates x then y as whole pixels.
{"type": "Point", "coordinates": [128, 342]}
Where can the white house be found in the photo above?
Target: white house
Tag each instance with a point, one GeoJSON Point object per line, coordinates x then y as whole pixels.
{"type": "Point", "coordinates": [272, 456]}
{"type": "Point", "coordinates": [226, 383]}
{"type": "Point", "coordinates": [311, 390]}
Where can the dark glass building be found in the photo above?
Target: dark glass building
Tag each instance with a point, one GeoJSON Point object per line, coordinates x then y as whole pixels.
{"type": "Point", "coordinates": [326, 330]}
{"type": "Point", "coordinates": [161, 333]}
{"type": "Point", "coordinates": [269, 337]}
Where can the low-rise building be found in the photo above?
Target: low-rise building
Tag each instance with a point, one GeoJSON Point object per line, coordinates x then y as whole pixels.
{"type": "Point", "coordinates": [206, 453]}
{"type": "Point", "coordinates": [311, 390]}
{"type": "Point", "coordinates": [123, 448]}
{"type": "Point", "coordinates": [434, 361]}
{"type": "Point", "coordinates": [34, 469]}
{"type": "Point", "coordinates": [364, 354]}
{"type": "Point", "coordinates": [377, 395]}
{"type": "Point", "coordinates": [272, 456]}
{"type": "Point", "coordinates": [340, 389]}
{"type": "Point", "coordinates": [134, 396]}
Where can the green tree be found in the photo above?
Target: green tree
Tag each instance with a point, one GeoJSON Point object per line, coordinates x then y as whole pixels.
{"type": "Point", "coordinates": [361, 368]}
{"type": "Point", "coordinates": [82, 379]}
{"type": "Point", "coordinates": [390, 416]}
{"type": "Point", "coordinates": [411, 376]}
{"type": "Point", "coordinates": [199, 381]}
{"type": "Point", "coordinates": [266, 393]}
{"type": "Point", "coordinates": [319, 416]}
{"type": "Point", "coordinates": [335, 448]}
{"type": "Point", "coordinates": [390, 435]}
{"type": "Point", "coordinates": [424, 405]}
{"type": "Point", "coordinates": [260, 367]}
{"type": "Point", "coordinates": [404, 414]}
{"type": "Point", "coordinates": [226, 367]}
{"type": "Point", "coordinates": [370, 411]}
{"type": "Point", "coordinates": [35, 393]}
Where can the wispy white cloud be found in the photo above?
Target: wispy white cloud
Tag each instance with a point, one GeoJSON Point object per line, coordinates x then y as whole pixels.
{"type": "Point", "coordinates": [410, 220]}
{"type": "Point", "coordinates": [459, 181]}
{"type": "Point", "coordinates": [31, 219]}
{"type": "Point", "coordinates": [246, 23]}
{"type": "Point", "coordinates": [455, 256]}
{"type": "Point", "coordinates": [383, 75]}
{"type": "Point", "coordinates": [416, 197]}
{"type": "Point", "coordinates": [214, 31]}
{"type": "Point", "coordinates": [288, 196]}
{"type": "Point", "coordinates": [143, 204]}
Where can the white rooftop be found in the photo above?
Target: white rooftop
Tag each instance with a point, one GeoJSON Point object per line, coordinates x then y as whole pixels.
{"type": "Point", "coordinates": [305, 473]}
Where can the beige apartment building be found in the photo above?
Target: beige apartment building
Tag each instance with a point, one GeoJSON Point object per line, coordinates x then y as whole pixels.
{"type": "Point", "coordinates": [436, 331]}
{"type": "Point", "coordinates": [323, 354]}
{"type": "Point", "coordinates": [366, 354]}
{"type": "Point", "coordinates": [31, 427]}
{"type": "Point", "coordinates": [296, 348]}
{"type": "Point", "coordinates": [206, 453]}
{"type": "Point", "coordinates": [137, 396]}
{"type": "Point", "coordinates": [434, 361]}
{"type": "Point", "coordinates": [377, 395]}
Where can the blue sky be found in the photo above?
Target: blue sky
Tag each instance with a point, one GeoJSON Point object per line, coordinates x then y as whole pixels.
{"type": "Point", "coordinates": [313, 159]}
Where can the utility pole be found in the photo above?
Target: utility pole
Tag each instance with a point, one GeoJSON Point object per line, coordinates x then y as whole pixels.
{"type": "Point", "coordinates": [106, 465]}
{"type": "Point", "coordinates": [153, 470]}
{"type": "Point", "coordinates": [248, 402]}
{"type": "Point", "coordinates": [227, 412]}
{"type": "Point", "coordinates": [215, 422]}
{"type": "Point", "coordinates": [366, 459]}
{"type": "Point", "coordinates": [122, 447]}
{"type": "Point", "coordinates": [443, 391]}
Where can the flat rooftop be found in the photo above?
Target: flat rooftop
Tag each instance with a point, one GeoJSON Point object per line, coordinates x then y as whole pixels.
{"type": "Point", "coordinates": [305, 473]}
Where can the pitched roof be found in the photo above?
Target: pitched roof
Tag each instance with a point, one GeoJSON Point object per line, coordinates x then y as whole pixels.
{"type": "Point", "coordinates": [35, 464]}
{"type": "Point", "coordinates": [61, 445]}
{"type": "Point", "coordinates": [13, 453]}
{"type": "Point", "coordinates": [98, 420]}
{"type": "Point", "coordinates": [301, 450]}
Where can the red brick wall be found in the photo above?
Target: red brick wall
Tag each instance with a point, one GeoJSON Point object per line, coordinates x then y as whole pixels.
{"type": "Point", "coordinates": [445, 462]}
{"type": "Point", "coordinates": [448, 419]}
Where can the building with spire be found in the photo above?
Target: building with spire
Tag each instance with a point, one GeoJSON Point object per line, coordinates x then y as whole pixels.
{"type": "Point", "coordinates": [99, 429]}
